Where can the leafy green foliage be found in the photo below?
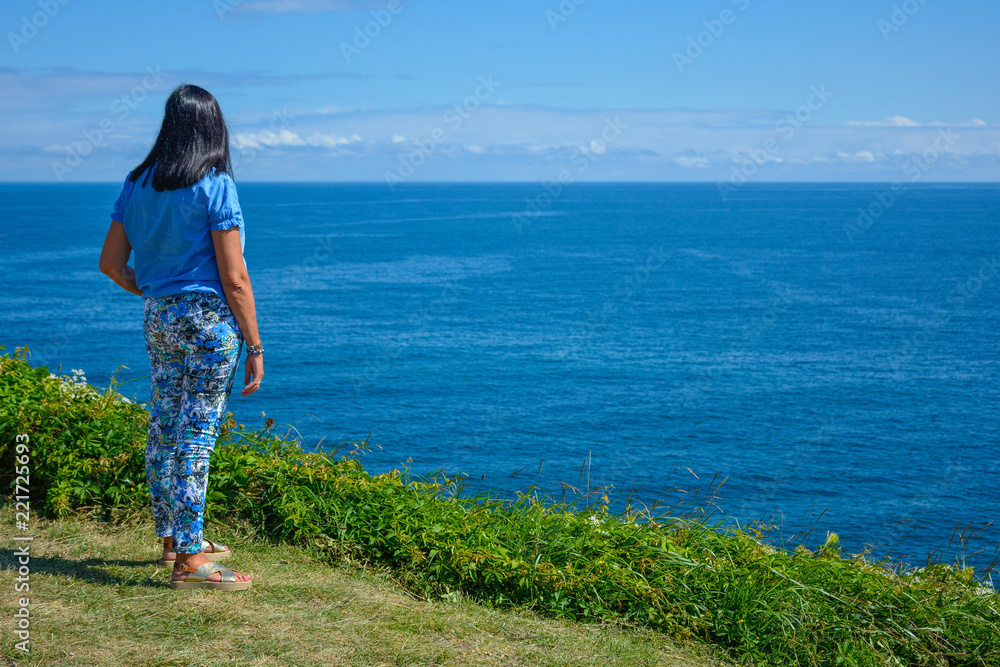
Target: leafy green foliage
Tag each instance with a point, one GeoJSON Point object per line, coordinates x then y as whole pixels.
{"type": "Point", "coordinates": [726, 587]}
{"type": "Point", "coordinates": [87, 447]}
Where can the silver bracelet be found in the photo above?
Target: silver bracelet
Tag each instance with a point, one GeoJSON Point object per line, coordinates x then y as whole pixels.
{"type": "Point", "coordinates": [255, 349]}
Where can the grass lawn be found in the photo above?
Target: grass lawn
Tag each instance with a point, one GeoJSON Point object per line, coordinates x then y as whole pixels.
{"type": "Point", "coordinates": [98, 597]}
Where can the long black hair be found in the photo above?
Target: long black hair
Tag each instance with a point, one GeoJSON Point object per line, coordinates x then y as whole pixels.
{"type": "Point", "coordinates": [193, 138]}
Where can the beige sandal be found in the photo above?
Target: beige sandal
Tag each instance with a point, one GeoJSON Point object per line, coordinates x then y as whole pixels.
{"type": "Point", "coordinates": [214, 555]}
{"type": "Point", "coordinates": [198, 578]}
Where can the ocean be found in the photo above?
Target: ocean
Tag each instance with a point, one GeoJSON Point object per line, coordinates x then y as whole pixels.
{"type": "Point", "coordinates": [821, 357]}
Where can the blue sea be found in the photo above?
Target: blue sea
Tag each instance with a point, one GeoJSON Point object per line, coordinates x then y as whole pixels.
{"type": "Point", "coordinates": [822, 357]}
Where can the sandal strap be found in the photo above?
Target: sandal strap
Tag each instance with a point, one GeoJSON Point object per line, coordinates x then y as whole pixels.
{"type": "Point", "coordinates": [205, 542]}
{"type": "Point", "coordinates": [204, 571]}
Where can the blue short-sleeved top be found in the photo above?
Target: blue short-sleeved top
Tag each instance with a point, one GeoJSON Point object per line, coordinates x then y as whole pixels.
{"type": "Point", "coordinates": [171, 232]}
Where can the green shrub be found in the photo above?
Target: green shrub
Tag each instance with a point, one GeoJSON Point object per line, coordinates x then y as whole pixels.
{"type": "Point", "coordinates": [86, 446]}
{"type": "Point", "coordinates": [725, 587]}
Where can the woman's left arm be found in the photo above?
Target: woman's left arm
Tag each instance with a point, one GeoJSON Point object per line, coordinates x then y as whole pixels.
{"type": "Point", "coordinates": [114, 258]}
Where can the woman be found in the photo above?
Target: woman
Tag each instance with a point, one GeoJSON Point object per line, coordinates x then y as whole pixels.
{"type": "Point", "coordinates": [178, 211]}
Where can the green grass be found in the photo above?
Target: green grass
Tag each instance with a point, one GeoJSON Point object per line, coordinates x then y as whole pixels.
{"type": "Point", "coordinates": [100, 599]}
{"type": "Point", "coordinates": [681, 577]}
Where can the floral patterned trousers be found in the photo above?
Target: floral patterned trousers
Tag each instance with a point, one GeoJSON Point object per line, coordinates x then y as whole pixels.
{"type": "Point", "coordinates": [194, 346]}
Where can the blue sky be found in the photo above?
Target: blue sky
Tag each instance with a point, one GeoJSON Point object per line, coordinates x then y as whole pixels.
{"type": "Point", "coordinates": [721, 91]}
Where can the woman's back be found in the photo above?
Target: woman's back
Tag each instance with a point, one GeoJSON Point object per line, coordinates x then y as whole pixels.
{"type": "Point", "coordinates": [170, 232]}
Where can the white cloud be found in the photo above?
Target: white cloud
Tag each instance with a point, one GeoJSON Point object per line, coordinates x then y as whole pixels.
{"type": "Point", "coordinates": [892, 121]}
{"type": "Point", "coordinates": [689, 162]}
{"type": "Point", "coordinates": [288, 138]}
{"type": "Point", "coordinates": [269, 138]}
{"type": "Point", "coordinates": [860, 156]}
{"type": "Point", "coordinates": [757, 155]}
{"type": "Point", "coordinates": [331, 140]}
{"type": "Point", "coordinates": [525, 142]}
{"type": "Point", "coordinates": [903, 121]}
{"type": "Point", "coordinates": [528, 141]}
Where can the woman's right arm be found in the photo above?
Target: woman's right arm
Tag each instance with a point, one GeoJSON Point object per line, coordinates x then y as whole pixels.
{"type": "Point", "coordinates": [236, 285]}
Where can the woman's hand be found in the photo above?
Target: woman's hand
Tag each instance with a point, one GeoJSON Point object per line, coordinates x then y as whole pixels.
{"type": "Point", "coordinates": [254, 373]}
